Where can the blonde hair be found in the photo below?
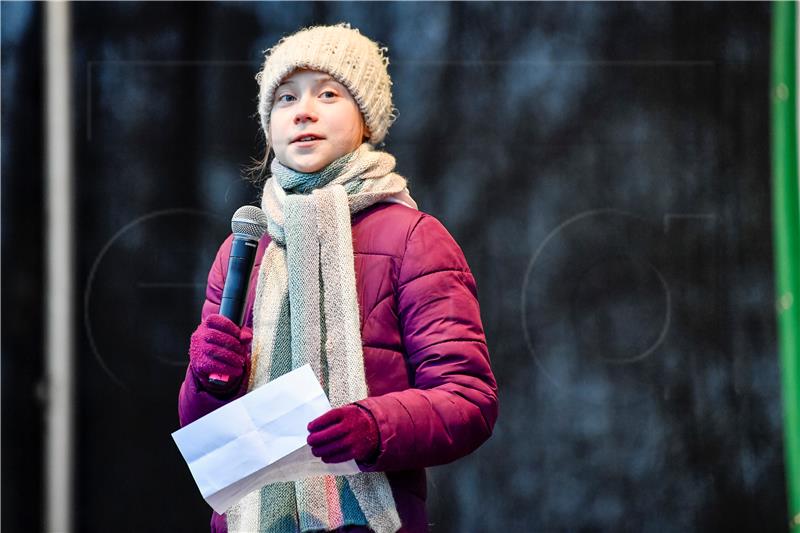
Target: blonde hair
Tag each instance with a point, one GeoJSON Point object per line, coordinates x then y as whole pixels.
{"type": "Point", "coordinates": [258, 170]}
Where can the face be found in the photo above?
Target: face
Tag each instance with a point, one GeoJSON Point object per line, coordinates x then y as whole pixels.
{"type": "Point", "coordinates": [312, 104]}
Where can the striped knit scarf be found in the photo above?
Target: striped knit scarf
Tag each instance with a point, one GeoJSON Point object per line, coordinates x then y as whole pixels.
{"type": "Point", "coordinates": [306, 311]}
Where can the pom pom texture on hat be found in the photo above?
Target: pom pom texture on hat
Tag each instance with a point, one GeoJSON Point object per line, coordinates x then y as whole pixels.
{"type": "Point", "coordinates": [352, 59]}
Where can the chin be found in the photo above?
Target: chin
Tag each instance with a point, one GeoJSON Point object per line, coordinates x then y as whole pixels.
{"type": "Point", "coordinates": [306, 169]}
{"type": "Point", "coordinates": [309, 166]}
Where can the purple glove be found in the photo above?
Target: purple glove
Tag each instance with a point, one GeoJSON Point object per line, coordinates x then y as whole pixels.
{"type": "Point", "coordinates": [344, 433]}
{"type": "Point", "coordinates": [218, 346]}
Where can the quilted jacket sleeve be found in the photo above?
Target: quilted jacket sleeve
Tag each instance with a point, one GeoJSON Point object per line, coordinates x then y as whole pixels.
{"type": "Point", "coordinates": [452, 408]}
{"type": "Point", "coordinates": [194, 401]}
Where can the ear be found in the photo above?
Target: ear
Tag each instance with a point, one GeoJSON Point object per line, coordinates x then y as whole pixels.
{"type": "Point", "coordinates": [366, 133]}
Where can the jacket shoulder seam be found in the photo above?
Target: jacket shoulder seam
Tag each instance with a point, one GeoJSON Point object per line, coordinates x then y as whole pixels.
{"type": "Point", "coordinates": [393, 256]}
{"type": "Point", "coordinates": [445, 341]}
{"type": "Point", "coordinates": [437, 271]}
{"type": "Point", "coordinates": [405, 248]}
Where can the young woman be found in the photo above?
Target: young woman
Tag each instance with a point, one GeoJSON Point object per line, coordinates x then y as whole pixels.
{"type": "Point", "coordinates": [352, 278]}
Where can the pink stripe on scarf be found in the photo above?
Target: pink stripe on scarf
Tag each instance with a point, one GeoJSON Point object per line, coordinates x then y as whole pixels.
{"type": "Point", "coordinates": [335, 516]}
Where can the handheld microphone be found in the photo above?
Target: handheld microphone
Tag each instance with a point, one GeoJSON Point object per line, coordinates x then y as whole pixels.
{"type": "Point", "coordinates": [248, 225]}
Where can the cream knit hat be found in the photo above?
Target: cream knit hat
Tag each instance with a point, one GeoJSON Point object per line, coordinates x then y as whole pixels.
{"type": "Point", "coordinates": [352, 59]}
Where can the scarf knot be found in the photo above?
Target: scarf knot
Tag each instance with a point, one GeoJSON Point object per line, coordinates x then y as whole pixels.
{"type": "Point", "coordinates": [367, 176]}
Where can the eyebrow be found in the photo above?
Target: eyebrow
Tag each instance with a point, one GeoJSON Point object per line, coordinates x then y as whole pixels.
{"type": "Point", "coordinates": [319, 79]}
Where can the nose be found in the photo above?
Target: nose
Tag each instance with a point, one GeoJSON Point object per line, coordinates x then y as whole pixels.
{"type": "Point", "coordinates": [305, 111]}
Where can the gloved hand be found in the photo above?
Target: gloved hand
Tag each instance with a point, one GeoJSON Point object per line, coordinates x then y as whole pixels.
{"type": "Point", "coordinates": [344, 433]}
{"type": "Point", "coordinates": [218, 346]}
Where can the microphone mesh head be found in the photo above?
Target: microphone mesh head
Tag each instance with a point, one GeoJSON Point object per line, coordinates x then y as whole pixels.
{"type": "Point", "coordinates": [249, 220]}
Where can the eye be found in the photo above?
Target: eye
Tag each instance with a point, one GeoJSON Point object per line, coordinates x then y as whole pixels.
{"type": "Point", "coordinates": [333, 94]}
{"type": "Point", "coordinates": [280, 98]}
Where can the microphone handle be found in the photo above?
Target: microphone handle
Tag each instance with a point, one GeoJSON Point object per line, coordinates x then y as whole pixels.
{"type": "Point", "coordinates": [237, 283]}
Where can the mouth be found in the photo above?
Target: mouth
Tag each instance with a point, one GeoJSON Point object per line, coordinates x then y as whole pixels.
{"type": "Point", "coordinates": [306, 139]}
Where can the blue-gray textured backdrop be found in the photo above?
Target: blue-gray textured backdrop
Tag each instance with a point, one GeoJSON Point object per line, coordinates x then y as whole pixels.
{"type": "Point", "coordinates": [605, 168]}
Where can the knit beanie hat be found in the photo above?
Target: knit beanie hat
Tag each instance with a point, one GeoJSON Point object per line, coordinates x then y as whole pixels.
{"type": "Point", "coordinates": [350, 58]}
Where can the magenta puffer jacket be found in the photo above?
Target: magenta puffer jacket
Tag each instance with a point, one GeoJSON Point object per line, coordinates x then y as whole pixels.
{"type": "Point", "coordinates": [431, 387]}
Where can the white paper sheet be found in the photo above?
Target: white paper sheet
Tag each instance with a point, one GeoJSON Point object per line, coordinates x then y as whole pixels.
{"type": "Point", "coordinates": [257, 439]}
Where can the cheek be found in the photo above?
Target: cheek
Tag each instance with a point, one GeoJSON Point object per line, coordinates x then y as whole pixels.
{"type": "Point", "coordinates": [351, 125]}
{"type": "Point", "coordinates": [355, 130]}
{"type": "Point", "coordinates": [355, 133]}
{"type": "Point", "coordinates": [276, 126]}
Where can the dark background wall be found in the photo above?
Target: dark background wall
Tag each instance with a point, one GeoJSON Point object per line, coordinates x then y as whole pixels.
{"type": "Point", "coordinates": [604, 167]}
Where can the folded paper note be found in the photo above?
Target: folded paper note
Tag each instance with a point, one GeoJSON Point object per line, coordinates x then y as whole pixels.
{"type": "Point", "coordinates": [257, 439]}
